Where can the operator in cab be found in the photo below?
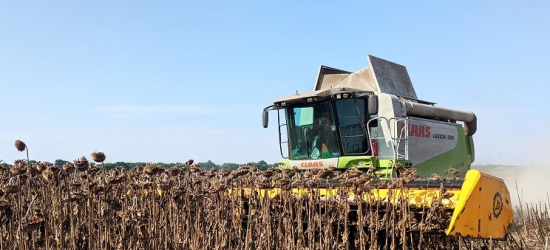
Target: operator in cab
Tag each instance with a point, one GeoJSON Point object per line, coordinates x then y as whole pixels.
{"type": "Point", "coordinates": [327, 135]}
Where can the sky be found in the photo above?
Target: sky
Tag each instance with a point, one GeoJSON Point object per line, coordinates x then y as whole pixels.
{"type": "Point", "coordinates": [165, 81]}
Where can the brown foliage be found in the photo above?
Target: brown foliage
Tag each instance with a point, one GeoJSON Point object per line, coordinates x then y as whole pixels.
{"type": "Point", "coordinates": [188, 208]}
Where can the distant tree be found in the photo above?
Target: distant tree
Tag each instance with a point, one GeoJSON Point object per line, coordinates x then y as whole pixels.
{"type": "Point", "coordinates": [121, 164]}
{"type": "Point", "coordinates": [262, 165]}
{"type": "Point", "coordinates": [162, 165]}
{"type": "Point", "coordinates": [109, 166]}
{"type": "Point", "coordinates": [136, 164]}
{"type": "Point", "coordinates": [208, 165]}
{"type": "Point", "coordinates": [230, 166]}
{"type": "Point", "coordinates": [179, 165]}
{"type": "Point", "coordinates": [60, 162]}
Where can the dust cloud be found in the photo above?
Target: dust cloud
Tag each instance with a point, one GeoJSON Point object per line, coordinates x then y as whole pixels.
{"type": "Point", "coordinates": [528, 184]}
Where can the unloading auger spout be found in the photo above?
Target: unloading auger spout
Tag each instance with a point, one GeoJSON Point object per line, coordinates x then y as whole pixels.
{"type": "Point", "coordinates": [424, 110]}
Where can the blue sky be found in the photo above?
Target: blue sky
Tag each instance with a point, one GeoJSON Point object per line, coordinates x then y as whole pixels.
{"type": "Point", "coordinates": [165, 81]}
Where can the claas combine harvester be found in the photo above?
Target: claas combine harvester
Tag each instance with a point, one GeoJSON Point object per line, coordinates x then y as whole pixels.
{"type": "Point", "coordinates": [371, 124]}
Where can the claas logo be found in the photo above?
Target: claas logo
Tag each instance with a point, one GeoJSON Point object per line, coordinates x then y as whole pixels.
{"type": "Point", "coordinates": [311, 164]}
{"type": "Point", "coordinates": [417, 130]}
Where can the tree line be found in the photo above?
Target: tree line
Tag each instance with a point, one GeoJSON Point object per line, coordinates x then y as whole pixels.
{"type": "Point", "coordinates": [262, 165]}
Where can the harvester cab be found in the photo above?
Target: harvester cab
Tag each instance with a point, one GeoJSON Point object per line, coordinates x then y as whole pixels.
{"type": "Point", "coordinates": [375, 119]}
{"type": "Point", "coordinates": [372, 120]}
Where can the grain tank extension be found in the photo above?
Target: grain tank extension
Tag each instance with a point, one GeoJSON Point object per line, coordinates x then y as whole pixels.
{"type": "Point", "coordinates": [373, 120]}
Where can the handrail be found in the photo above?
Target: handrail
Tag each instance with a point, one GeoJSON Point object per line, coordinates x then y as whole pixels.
{"type": "Point", "coordinates": [397, 136]}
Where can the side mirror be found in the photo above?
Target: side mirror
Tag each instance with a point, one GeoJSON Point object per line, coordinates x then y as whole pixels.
{"type": "Point", "coordinates": [373, 105]}
{"type": "Point", "coordinates": [265, 118]}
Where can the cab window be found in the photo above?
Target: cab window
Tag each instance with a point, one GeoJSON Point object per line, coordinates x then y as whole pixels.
{"type": "Point", "coordinates": [351, 118]}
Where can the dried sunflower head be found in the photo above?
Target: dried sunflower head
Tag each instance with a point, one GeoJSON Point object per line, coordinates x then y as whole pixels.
{"type": "Point", "coordinates": [268, 173]}
{"type": "Point", "coordinates": [20, 145]}
{"type": "Point", "coordinates": [32, 223]}
{"type": "Point", "coordinates": [116, 179]}
{"type": "Point", "coordinates": [68, 167]}
{"type": "Point", "coordinates": [41, 166]}
{"type": "Point", "coordinates": [151, 168]}
{"type": "Point", "coordinates": [173, 171]}
{"type": "Point", "coordinates": [453, 171]}
{"type": "Point", "coordinates": [435, 177]}
{"type": "Point", "coordinates": [20, 163]}
{"type": "Point", "coordinates": [10, 188]}
{"type": "Point", "coordinates": [48, 175]}
{"type": "Point", "coordinates": [98, 156]}
{"type": "Point", "coordinates": [93, 170]}
{"type": "Point", "coordinates": [4, 204]}
{"type": "Point", "coordinates": [399, 166]}
{"type": "Point", "coordinates": [325, 173]}
{"type": "Point", "coordinates": [82, 163]}
{"type": "Point", "coordinates": [195, 168]}
{"type": "Point", "coordinates": [18, 169]}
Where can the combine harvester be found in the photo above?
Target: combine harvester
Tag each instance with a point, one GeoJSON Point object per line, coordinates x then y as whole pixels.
{"type": "Point", "coordinates": [372, 120]}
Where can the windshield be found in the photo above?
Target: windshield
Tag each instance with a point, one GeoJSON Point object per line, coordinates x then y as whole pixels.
{"type": "Point", "coordinates": [312, 132]}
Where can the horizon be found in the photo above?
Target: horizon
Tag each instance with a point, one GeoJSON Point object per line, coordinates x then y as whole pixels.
{"type": "Point", "coordinates": [2, 162]}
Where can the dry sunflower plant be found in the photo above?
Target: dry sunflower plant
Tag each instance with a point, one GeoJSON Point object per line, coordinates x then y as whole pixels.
{"type": "Point", "coordinates": [80, 206]}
